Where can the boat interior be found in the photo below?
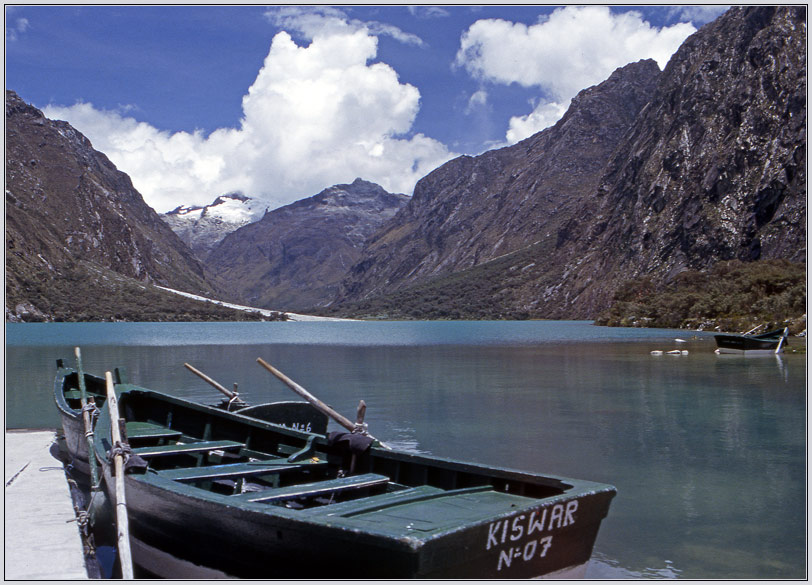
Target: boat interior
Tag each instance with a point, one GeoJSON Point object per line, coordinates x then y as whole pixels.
{"type": "Point", "coordinates": [94, 389]}
{"type": "Point", "coordinates": [250, 460]}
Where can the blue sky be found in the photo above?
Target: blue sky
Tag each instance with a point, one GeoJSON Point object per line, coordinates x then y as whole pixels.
{"type": "Point", "coordinates": [281, 102]}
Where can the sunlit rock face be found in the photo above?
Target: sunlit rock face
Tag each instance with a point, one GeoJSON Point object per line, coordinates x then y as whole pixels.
{"type": "Point", "coordinates": [648, 173]}
{"type": "Point", "coordinates": [474, 209]}
{"type": "Point", "coordinates": [69, 209]}
{"type": "Point", "coordinates": [715, 166]}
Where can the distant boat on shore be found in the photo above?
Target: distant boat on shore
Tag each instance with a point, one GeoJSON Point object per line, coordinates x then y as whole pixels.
{"type": "Point", "coordinates": [771, 342]}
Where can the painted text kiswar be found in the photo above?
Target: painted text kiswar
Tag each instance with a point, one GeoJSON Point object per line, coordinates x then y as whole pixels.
{"type": "Point", "coordinates": [512, 530]}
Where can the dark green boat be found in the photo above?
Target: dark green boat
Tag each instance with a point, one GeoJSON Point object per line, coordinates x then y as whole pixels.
{"type": "Point", "coordinates": [215, 494]}
{"type": "Point", "coordinates": [68, 399]}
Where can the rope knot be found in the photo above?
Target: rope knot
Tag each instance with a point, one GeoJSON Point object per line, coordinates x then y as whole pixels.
{"type": "Point", "coordinates": [122, 449]}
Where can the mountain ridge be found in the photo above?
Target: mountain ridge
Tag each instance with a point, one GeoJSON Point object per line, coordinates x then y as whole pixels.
{"type": "Point", "coordinates": [649, 174]}
{"type": "Point", "coordinates": [473, 209]}
{"type": "Point", "coordinates": [294, 256]}
{"type": "Point", "coordinates": [80, 240]}
{"type": "Point", "coordinates": [644, 206]}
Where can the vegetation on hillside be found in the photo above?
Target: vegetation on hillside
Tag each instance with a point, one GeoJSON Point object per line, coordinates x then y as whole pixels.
{"type": "Point", "coordinates": [731, 296]}
{"type": "Point", "coordinates": [484, 292]}
{"type": "Point", "coordinates": [87, 293]}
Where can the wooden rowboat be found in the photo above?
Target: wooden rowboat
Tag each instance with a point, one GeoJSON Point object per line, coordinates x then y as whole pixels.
{"type": "Point", "coordinates": [216, 494]}
{"type": "Point", "coordinates": [772, 342]}
{"type": "Point", "coordinates": [67, 396]}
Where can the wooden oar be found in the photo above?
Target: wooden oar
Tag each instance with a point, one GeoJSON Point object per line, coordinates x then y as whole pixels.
{"type": "Point", "coordinates": [122, 521]}
{"type": "Point", "coordinates": [301, 391]}
{"type": "Point", "coordinates": [781, 341]}
{"type": "Point", "coordinates": [231, 395]}
{"type": "Point", "coordinates": [91, 451]}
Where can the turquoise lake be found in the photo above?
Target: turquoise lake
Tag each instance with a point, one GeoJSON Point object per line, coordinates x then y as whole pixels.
{"type": "Point", "coordinates": [708, 453]}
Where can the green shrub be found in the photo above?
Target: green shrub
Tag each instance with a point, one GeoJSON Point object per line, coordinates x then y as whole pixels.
{"type": "Point", "coordinates": [731, 295]}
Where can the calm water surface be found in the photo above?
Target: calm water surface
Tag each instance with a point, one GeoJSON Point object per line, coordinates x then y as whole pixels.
{"type": "Point", "coordinates": [708, 453]}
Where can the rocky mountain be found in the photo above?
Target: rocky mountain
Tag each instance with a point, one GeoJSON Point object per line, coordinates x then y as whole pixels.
{"type": "Point", "coordinates": [714, 168]}
{"type": "Point", "coordinates": [294, 257]}
{"type": "Point", "coordinates": [475, 209]}
{"type": "Point", "coordinates": [79, 237]}
{"type": "Point", "coordinates": [202, 228]}
{"type": "Point", "coordinates": [649, 173]}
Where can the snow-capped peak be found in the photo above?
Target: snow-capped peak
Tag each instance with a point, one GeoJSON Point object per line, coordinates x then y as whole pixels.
{"type": "Point", "coordinates": [236, 208]}
{"type": "Point", "coordinates": [203, 227]}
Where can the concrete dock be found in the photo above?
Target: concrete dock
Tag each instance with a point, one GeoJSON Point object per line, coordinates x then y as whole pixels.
{"type": "Point", "coordinates": [41, 540]}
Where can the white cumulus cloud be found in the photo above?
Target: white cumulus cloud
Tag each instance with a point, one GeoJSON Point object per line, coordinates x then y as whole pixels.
{"type": "Point", "coordinates": [316, 115]}
{"type": "Point", "coordinates": [573, 48]}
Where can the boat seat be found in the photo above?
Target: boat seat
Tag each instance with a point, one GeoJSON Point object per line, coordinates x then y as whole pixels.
{"type": "Point", "coordinates": [145, 430]}
{"type": "Point", "coordinates": [311, 490]}
{"type": "Point", "coordinates": [391, 499]}
{"type": "Point", "coordinates": [235, 470]}
{"type": "Point", "coordinates": [73, 394]}
{"type": "Point", "coordinates": [182, 448]}
{"type": "Point", "coordinates": [377, 502]}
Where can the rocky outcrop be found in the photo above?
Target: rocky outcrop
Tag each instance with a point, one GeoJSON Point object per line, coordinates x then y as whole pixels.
{"type": "Point", "coordinates": [475, 209]}
{"type": "Point", "coordinates": [67, 206]}
{"type": "Point", "coordinates": [295, 256]}
{"type": "Point", "coordinates": [202, 228]}
{"type": "Point", "coordinates": [714, 168]}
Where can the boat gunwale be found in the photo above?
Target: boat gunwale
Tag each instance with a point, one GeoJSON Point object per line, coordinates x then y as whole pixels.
{"type": "Point", "coordinates": [59, 390]}
{"type": "Point", "coordinates": [571, 488]}
{"type": "Point", "coordinates": [566, 484]}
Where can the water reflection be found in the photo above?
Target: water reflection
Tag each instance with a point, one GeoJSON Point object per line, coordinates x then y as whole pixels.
{"type": "Point", "coordinates": [707, 452]}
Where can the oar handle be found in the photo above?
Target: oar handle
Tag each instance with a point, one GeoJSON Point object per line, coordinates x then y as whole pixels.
{"type": "Point", "coordinates": [301, 391]}
{"type": "Point", "coordinates": [231, 395]}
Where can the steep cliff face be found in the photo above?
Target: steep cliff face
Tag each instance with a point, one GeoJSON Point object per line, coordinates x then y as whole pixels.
{"type": "Point", "coordinates": [714, 168]}
{"type": "Point", "coordinates": [711, 168]}
{"type": "Point", "coordinates": [67, 205]}
{"type": "Point", "coordinates": [202, 228]}
{"type": "Point", "coordinates": [474, 209]}
{"type": "Point", "coordinates": [294, 257]}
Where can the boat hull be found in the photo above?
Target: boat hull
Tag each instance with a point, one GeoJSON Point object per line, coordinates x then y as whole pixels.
{"type": "Point", "coordinates": [68, 403]}
{"type": "Point", "coordinates": [476, 522]}
{"type": "Point", "coordinates": [184, 537]}
{"type": "Point", "coordinates": [751, 345]}
{"type": "Point", "coordinates": [75, 443]}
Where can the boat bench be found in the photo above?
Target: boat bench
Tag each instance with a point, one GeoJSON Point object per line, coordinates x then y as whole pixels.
{"type": "Point", "coordinates": [146, 430]}
{"type": "Point", "coordinates": [310, 490]}
{"type": "Point", "coordinates": [391, 499]}
{"type": "Point", "coordinates": [184, 448]}
{"type": "Point", "coordinates": [236, 470]}
{"type": "Point", "coordinates": [386, 500]}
